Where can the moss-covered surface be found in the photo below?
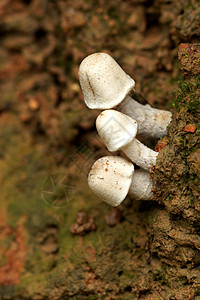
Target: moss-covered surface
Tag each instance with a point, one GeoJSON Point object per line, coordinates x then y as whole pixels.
{"type": "Point", "coordinates": [176, 240]}
{"type": "Point", "coordinates": [52, 263]}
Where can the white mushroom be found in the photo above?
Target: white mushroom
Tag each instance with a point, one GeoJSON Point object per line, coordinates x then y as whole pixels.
{"type": "Point", "coordinates": [111, 178]}
{"type": "Point", "coordinates": [105, 85]}
{"type": "Point", "coordinates": [118, 132]}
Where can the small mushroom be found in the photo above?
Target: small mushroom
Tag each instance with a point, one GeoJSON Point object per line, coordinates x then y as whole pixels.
{"type": "Point", "coordinates": [111, 178]}
{"type": "Point", "coordinates": [105, 85]}
{"type": "Point", "coordinates": [118, 132]}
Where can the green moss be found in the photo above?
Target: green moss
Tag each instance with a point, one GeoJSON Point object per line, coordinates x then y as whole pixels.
{"type": "Point", "coordinates": [107, 251]}
{"type": "Point", "coordinates": [169, 198]}
{"type": "Point", "coordinates": [186, 89]}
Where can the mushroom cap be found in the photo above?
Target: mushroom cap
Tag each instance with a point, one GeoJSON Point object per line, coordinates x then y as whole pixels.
{"type": "Point", "coordinates": [116, 129]}
{"type": "Point", "coordinates": [103, 82]}
{"type": "Point", "coordinates": [110, 179]}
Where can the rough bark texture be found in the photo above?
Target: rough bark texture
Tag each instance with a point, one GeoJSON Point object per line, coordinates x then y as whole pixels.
{"type": "Point", "coordinates": [147, 250]}
{"type": "Point", "coordinates": [175, 227]}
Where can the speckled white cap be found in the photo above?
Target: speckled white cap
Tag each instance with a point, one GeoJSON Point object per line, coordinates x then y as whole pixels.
{"type": "Point", "coordinates": [116, 129]}
{"type": "Point", "coordinates": [110, 179]}
{"type": "Point", "coordinates": [103, 82]}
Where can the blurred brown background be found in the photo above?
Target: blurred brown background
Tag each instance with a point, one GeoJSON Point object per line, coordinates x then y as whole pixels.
{"type": "Point", "coordinates": [45, 128]}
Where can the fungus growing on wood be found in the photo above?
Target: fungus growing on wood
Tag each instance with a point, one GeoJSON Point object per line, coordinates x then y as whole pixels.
{"type": "Point", "coordinates": [118, 132]}
{"type": "Point", "coordinates": [111, 178]}
{"type": "Point", "coordinates": [105, 85]}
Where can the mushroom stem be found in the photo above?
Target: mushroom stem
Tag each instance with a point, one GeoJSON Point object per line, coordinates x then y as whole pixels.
{"type": "Point", "coordinates": [141, 186]}
{"type": "Point", "coordinates": [118, 132]}
{"type": "Point", "coordinates": [152, 122]}
{"type": "Point", "coordinates": [105, 85]}
{"type": "Point", "coordinates": [140, 154]}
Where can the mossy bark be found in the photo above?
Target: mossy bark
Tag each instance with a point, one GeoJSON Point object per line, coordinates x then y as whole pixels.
{"type": "Point", "coordinates": [175, 227]}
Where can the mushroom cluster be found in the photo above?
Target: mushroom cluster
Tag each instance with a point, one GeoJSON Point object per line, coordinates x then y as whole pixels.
{"type": "Point", "coordinates": [105, 86]}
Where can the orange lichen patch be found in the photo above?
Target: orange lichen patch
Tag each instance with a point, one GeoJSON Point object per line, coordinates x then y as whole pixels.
{"type": "Point", "coordinates": [15, 254]}
{"type": "Point", "coordinates": [183, 46]}
{"type": "Point", "coordinates": [161, 144]}
{"type": "Point", "coordinates": [33, 104]}
{"type": "Point", "coordinates": [190, 128]}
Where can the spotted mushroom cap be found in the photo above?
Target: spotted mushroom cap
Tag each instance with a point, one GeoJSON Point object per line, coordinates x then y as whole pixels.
{"type": "Point", "coordinates": [110, 179]}
{"type": "Point", "coordinates": [116, 129]}
{"type": "Point", "coordinates": [103, 82]}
